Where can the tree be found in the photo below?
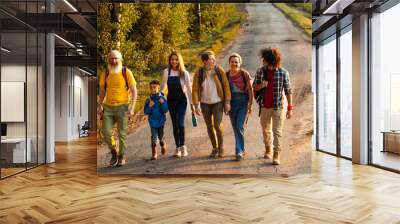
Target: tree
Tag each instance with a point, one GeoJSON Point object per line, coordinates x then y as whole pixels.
{"type": "Point", "coordinates": [115, 22]}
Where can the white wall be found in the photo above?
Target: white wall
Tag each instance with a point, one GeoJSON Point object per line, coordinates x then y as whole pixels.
{"type": "Point", "coordinates": [14, 73]}
{"type": "Point", "coordinates": [34, 125]}
{"type": "Point", "coordinates": [71, 94]}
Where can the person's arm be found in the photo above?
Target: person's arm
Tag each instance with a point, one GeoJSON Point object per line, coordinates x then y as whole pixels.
{"type": "Point", "coordinates": [102, 94]}
{"type": "Point", "coordinates": [189, 90]}
{"type": "Point", "coordinates": [164, 105]}
{"type": "Point", "coordinates": [226, 87]}
{"type": "Point", "coordinates": [249, 90]}
{"type": "Point", "coordinates": [195, 93]}
{"type": "Point", "coordinates": [258, 82]}
{"type": "Point", "coordinates": [288, 93]}
{"type": "Point", "coordinates": [133, 91]}
{"type": "Point", "coordinates": [227, 90]}
{"type": "Point", "coordinates": [147, 109]}
{"type": "Point", "coordinates": [164, 80]}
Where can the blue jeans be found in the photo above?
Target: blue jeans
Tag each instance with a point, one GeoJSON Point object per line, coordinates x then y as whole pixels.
{"type": "Point", "coordinates": [177, 110]}
{"type": "Point", "coordinates": [238, 115]}
{"type": "Point", "coordinates": [157, 133]}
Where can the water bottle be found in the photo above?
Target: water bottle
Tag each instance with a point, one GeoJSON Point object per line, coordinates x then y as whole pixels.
{"type": "Point", "coordinates": [194, 120]}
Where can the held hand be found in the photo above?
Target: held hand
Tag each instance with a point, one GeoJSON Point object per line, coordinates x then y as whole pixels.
{"type": "Point", "coordinates": [289, 114]}
{"type": "Point", "coordinates": [130, 114]}
{"type": "Point", "coordinates": [161, 100]}
{"type": "Point", "coordinates": [192, 108]}
{"type": "Point", "coordinates": [265, 83]}
{"type": "Point", "coordinates": [249, 109]}
{"type": "Point", "coordinates": [227, 108]}
{"type": "Point", "coordinates": [100, 110]}
{"type": "Point", "coordinates": [198, 111]}
{"type": "Point", "coordinates": [151, 103]}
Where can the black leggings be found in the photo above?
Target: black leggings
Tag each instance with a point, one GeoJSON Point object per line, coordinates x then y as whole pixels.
{"type": "Point", "coordinates": [177, 110]}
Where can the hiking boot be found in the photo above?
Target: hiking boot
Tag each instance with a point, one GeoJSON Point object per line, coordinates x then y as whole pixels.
{"type": "Point", "coordinates": [114, 158]}
{"type": "Point", "coordinates": [163, 148]}
{"type": "Point", "coordinates": [178, 153]}
{"type": "Point", "coordinates": [276, 159]}
{"type": "Point", "coordinates": [214, 153]}
{"type": "Point", "coordinates": [268, 152]}
{"type": "Point", "coordinates": [221, 153]}
{"type": "Point", "coordinates": [121, 160]}
{"type": "Point", "coordinates": [184, 151]}
{"type": "Point", "coordinates": [239, 156]}
{"type": "Point", "coordinates": [153, 152]}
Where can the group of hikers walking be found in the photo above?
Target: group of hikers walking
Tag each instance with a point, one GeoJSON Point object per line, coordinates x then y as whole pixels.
{"type": "Point", "coordinates": [212, 93]}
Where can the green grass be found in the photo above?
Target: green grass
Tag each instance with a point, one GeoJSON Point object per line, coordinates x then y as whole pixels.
{"type": "Point", "coordinates": [305, 7]}
{"type": "Point", "coordinates": [300, 18]}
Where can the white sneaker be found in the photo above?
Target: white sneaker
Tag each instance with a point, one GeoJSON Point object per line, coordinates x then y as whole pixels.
{"type": "Point", "coordinates": [178, 152]}
{"type": "Point", "coordinates": [184, 151]}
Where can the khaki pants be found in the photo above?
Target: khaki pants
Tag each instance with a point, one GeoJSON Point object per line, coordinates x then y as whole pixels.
{"type": "Point", "coordinates": [272, 124]}
{"type": "Point", "coordinates": [212, 114]}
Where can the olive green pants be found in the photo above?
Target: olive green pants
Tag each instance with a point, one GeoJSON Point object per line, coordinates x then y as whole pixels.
{"type": "Point", "coordinates": [112, 115]}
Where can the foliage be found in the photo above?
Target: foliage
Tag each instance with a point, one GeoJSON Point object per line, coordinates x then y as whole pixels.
{"type": "Point", "coordinates": [147, 33]}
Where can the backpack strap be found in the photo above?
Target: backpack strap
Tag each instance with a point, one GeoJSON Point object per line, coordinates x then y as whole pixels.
{"type": "Point", "coordinates": [265, 73]}
{"type": "Point", "coordinates": [105, 80]}
{"type": "Point", "coordinates": [125, 77]}
{"type": "Point", "coordinates": [244, 79]}
{"type": "Point", "coordinates": [242, 75]}
{"type": "Point", "coordinates": [201, 76]}
{"type": "Point", "coordinates": [123, 74]}
{"type": "Point", "coordinates": [218, 74]}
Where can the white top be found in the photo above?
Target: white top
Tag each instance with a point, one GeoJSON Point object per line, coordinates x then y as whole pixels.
{"type": "Point", "coordinates": [185, 82]}
{"type": "Point", "coordinates": [209, 94]}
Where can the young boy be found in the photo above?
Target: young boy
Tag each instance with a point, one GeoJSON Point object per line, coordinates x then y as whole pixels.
{"type": "Point", "coordinates": [156, 106]}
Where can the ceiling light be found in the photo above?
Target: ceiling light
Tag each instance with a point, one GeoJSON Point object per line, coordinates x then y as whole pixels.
{"type": "Point", "coordinates": [65, 41]}
{"type": "Point", "coordinates": [5, 50]}
{"type": "Point", "coordinates": [70, 5]}
{"type": "Point", "coordinates": [326, 11]}
{"type": "Point", "coordinates": [84, 71]}
{"type": "Point", "coordinates": [337, 7]}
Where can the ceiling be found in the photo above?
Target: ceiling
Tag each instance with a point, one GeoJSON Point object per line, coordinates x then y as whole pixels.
{"type": "Point", "coordinates": [74, 22]}
{"type": "Point", "coordinates": [326, 13]}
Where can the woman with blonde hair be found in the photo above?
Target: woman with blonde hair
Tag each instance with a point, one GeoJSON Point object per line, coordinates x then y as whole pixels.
{"type": "Point", "coordinates": [176, 79]}
{"type": "Point", "coordinates": [241, 102]}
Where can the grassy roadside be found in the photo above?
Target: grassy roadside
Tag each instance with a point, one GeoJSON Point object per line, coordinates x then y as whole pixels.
{"type": "Point", "coordinates": [299, 17]}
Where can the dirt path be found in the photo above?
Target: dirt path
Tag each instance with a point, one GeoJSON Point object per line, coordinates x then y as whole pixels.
{"type": "Point", "coordinates": [266, 26]}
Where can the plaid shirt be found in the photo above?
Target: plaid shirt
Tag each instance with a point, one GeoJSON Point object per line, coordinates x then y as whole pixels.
{"type": "Point", "coordinates": [281, 82]}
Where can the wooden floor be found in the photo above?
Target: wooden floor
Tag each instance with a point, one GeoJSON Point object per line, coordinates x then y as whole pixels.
{"type": "Point", "coordinates": [70, 191]}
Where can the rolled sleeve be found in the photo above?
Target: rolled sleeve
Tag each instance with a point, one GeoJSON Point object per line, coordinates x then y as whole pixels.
{"type": "Point", "coordinates": [286, 83]}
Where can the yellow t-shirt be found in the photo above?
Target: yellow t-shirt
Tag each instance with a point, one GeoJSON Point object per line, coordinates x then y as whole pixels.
{"type": "Point", "coordinates": [116, 92]}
